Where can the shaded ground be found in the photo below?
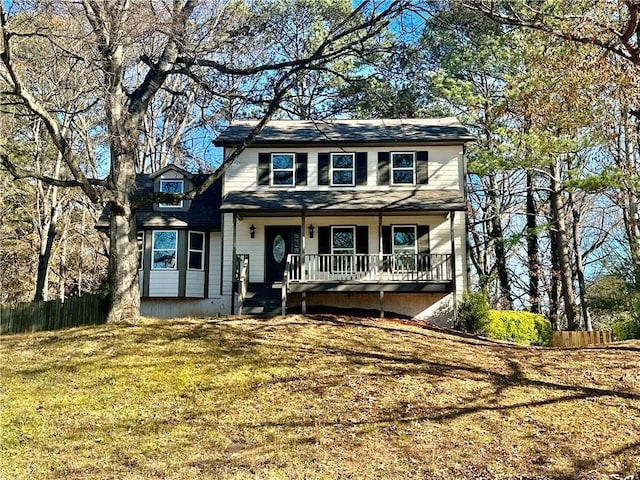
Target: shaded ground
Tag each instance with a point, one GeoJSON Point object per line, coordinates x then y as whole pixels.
{"type": "Point", "coordinates": [314, 397]}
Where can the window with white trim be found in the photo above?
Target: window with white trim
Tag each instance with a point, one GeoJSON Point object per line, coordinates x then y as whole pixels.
{"type": "Point", "coordinates": [342, 169]}
{"type": "Point", "coordinates": [343, 243]}
{"type": "Point", "coordinates": [140, 240]}
{"type": "Point", "coordinates": [404, 246]}
{"type": "Point", "coordinates": [172, 186]}
{"type": "Point", "coordinates": [282, 169]}
{"type": "Point", "coordinates": [403, 168]}
{"type": "Point", "coordinates": [164, 250]}
{"type": "Point", "coordinates": [196, 251]}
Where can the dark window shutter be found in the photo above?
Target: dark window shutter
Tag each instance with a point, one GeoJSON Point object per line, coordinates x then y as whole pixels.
{"type": "Point", "coordinates": [362, 239]}
{"type": "Point", "coordinates": [264, 165]}
{"type": "Point", "coordinates": [323, 169]}
{"type": "Point", "coordinates": [424, 259]}
{"type": "Point", "coordinates": [324, 240]}
{"type": "Point", "coordinates": [383, 168]}
{"type": "Point", "coordinates": [423, 238]}
{"type": "Point", "coordinates": [361, 168]}
{"type": "Point", "coordinates": [386, 239]}
{"type": "Point", "coordinates": [422, 168]}
{"type": "Point", "coordinates": [301, 168]}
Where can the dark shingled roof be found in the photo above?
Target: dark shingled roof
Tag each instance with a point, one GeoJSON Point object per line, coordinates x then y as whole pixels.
{"type": "Point", "coordinates": [340, 201]}
{"type": "Point", "coordinates": [348, 132]}
{"type": "Point", "coordinates": [204, 212]}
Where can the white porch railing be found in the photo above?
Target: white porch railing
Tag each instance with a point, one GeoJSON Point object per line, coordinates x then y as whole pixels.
{"type": "Point", "coordinates": [373, 268]}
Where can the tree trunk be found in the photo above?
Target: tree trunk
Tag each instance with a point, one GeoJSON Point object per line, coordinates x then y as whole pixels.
{"type": "Point", "coordinates": [562, 245]}
{"type": "Point", "coordinates": [505, 299]}
{"type": "Point", "coordinates": [533, 259]}
{"type": "Point", "coordinates": [554, 297]}
{"type": "Point", "coordinates": [124, 298]}
{"type": "Point", "coordinates": [582, 284]}
{"type": "Point", "coordinates": [44, 257]}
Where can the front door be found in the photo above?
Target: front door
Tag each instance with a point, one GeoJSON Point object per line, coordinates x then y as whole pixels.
{"type": "Point", "coordinates": [279, 242]}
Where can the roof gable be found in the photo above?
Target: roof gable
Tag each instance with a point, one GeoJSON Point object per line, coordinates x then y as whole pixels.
{"type": "Point", "coordinates": [171, 167]}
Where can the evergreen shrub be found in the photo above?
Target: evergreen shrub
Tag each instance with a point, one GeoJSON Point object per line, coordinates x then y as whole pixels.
{"type": "Point", "coordinates": [473, 310]}
{"type": "Point", "coordinates": [524, 328]}
{"type": "Point", "coordinates": [624, 328]}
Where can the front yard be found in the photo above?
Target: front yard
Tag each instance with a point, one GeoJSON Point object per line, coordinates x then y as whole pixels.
{"type": "Point", "coordinates": [313, 397]}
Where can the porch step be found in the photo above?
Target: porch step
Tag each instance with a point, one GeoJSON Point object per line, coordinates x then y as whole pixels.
{"type": "Point", "coordinates": [263, 300]}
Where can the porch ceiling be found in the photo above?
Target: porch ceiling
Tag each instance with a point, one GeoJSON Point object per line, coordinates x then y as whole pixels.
{"type": "Point", "coordinates": [340, 201]}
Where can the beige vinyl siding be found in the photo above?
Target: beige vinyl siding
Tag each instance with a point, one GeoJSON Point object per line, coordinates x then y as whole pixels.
{"type": "Point", "coordinates": [163, 283]}
{"type": "Point", "coordinates": [445, 168]}
{"type": "Point", "coordinates": [215, 259]}
{"type": "Point", "coordinates": [194, 286]}
{"type": "Point", "coordinates": [227, 259]}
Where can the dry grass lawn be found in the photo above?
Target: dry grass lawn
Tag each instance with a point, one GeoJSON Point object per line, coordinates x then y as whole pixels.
{"type": "Point", "coordinates": [312, 397]}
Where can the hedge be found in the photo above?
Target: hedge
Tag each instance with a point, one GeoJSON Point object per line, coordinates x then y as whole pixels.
{"type": "Point", "coordinates": [524, 328]}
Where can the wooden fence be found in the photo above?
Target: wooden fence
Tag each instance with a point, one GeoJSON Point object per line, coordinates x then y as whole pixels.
{"type": "Point", "coordinates": [52, 315]}
{"type": "Point", "coordinates": [579, 338]}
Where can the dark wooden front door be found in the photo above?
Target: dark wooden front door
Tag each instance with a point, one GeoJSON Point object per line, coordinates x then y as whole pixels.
{"type": "Point", "coordinates": [279, 242]}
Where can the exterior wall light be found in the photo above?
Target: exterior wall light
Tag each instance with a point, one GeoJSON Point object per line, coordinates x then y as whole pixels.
{"type": "Point", "coordinates": [311, 231]}
{"type": "Point", "coordinates": [252, 231]}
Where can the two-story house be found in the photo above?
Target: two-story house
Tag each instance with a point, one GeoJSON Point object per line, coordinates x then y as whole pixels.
{"type": "Point", "coordinates": [348, 213]}
{"type": "Point", "coordinates": [367, 214]}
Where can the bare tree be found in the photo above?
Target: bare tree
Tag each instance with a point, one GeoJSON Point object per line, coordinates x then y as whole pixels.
{"type": "Point", "coordinates": [132, 48]}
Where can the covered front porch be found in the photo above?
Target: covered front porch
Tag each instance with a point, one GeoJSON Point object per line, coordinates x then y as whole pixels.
{"type": "Point", "coordinates": [339, 253]}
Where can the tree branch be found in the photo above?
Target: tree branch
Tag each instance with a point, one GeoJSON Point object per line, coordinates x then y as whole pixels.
{"type": "Point", "coordinates": [19, 174]}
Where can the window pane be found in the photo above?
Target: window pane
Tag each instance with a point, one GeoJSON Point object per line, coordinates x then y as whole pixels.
{"type": "Point", "coordinates": [342, 160]}
{"type": "Point", "coordinates": [164, 240]}
{"type": "Point", "coordinates": [403, 176]}
{"type": "Point", "coordinates": [404, 237]}
{"type": "Point", "coordinates": [282, 161]}
{"type": "Point", "coordinates": [195, 260]}
{"type": "Point", "coordinates": [283, 178]}
{"type": "Point", "coordinates": [343, 177]}
{"type": "Point", "coordinates": [171, 186]}
{"type": "Point", "coordinates": [196, 241]}
{"type": "Point", "coordinates": [164, 249]}
{"type": "Point", "coordinates": [403, 160]}
{"type": "Point", "coordinates": [164, 259]}
{"type": "Point", "coordinates": [343, 239]}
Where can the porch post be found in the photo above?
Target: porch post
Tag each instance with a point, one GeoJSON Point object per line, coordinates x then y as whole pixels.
{"type": "Point", "coordinates": [234, 283]}
{"type": "Point", "coordinates": [303, 249]}
{"type": "Point", "coordinates": [452, 216]}
{"type": "Point", "coordinates": [380, 248]}
{"type": "Point", "coordinates": [303, 246]}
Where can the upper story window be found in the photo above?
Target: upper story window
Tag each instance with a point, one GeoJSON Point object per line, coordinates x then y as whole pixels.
{"type": "Point", "coordinates": [342, 169]}
{"type": "Point", "coordinates": [165, 247]}
{"type": "Point", "coordinates": [196, 251]}
{"type": "Point", "coordinates": [282, 169]}
{"type": "Point", "coordinates": [172, 186]}
{"type": "Point", "coordinates": [403, 168]}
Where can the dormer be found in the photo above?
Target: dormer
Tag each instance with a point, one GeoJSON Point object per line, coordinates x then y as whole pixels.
{"type": "Point", "coordinates": [172, 179]}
